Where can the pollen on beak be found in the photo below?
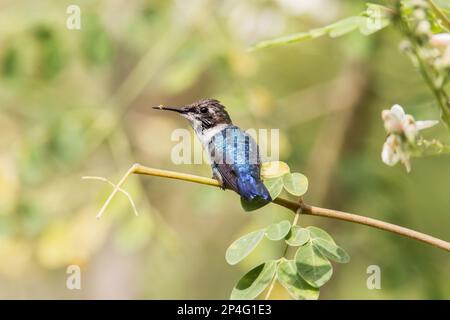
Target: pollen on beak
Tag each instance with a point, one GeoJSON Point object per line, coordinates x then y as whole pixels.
{"type": "Point", "coordinates": [179, 110]}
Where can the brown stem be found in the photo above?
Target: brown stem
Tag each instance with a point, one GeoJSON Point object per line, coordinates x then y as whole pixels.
{"type": "Point", "coordinates": [299, 207]}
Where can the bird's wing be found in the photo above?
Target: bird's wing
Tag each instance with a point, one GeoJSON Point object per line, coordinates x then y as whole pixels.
{"type": "Point", "coordinates": [228, 176]}
{"type": "Point", "coordinates": [235, 145]}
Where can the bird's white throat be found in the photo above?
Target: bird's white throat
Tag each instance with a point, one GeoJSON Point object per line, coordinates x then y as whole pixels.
{"type": "Point", "coordinates": [205, 136]}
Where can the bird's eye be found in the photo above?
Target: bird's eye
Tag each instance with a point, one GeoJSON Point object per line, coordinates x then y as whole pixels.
{"type": "Point", "coordinates": [203, 109]}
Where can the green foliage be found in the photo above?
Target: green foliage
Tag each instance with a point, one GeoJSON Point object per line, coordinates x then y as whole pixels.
{"type": "Point", "coordinates": [326, 245]}
{"type": "Point", "coordinates": [289, 278]}
{"type": "Point", "coordinates": [317, 233]}
{"type": "Point", "coordinates": [254, 204]}
{"type": "Point", "coordinates": [10, 64]}
{"type": "Point", "coordinates": [275, 186]}
{"type": "Point", "coordinates": [312, 266]}
{"type": "Point", "coordinates": [298, 236]}
{"type": "Point", "coordinates": [96, 44]}
{"type": "Point", "coordinates": [254, 282]}
{"type": "Point", "coordinates": [331, 251]}
{"type": "Point", "coordinates": [52, 60]}
{"type": "Point", "coordinates": [243, 246]}
{"type": "Point", "coordinates": [375, 18]}
{"type": "Point", "coordinates": [274, 169]}
{"type": "Point", "coordinates": [301, 277]}
{"type": "Point", "coordinates": [295, 183]}
{"type": "Point", "coordinates": [278, 231]}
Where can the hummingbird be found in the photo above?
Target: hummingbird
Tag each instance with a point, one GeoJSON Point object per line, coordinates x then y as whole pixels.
{"type": "Point", "coordinates": [234, 154]}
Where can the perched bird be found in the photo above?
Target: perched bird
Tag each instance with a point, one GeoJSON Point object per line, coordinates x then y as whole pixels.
{"type": "Point", "coordinates": [234, 154]}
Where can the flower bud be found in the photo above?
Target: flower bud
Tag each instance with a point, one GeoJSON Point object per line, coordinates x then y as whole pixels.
{"type": "Point", "coordinates": [440, 40]}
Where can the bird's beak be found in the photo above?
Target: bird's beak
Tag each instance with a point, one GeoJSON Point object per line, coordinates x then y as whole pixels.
{"type": "Point", "coordinates": [181, 110]}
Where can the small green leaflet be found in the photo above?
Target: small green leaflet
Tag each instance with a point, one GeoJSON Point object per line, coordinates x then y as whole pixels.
{"type": "Point", "coordinates": [295, 183]}
{"type": "Point", "coordinates": [253, 205]}
{"type": "Point", "coordinates": [243, 246]}
{"type": "Point", "coordinates": [312, 266]}
{"type": "Point", "coordinates": [298, 288]}
{"type": "Point", "coordinates": [278, 231]}
{"type": "Point", "coordinates": [274, 186]}
{"type": "Point", "coordinates": [254, 282]}
{"type": "Point", "coordinates": [317, 233]}
{"type": "Point", "coordinates": [274, 169]}
{"type": "Point", "coordinates": [326, 245]}
{"type": "Point", "coordinates": [298, 236]}
{"type": "Point", "coordinates": [331, 251]}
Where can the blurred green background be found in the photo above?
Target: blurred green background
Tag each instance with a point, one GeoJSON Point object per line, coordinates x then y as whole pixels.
{"type": "Point", "coordinates": [77, 102]}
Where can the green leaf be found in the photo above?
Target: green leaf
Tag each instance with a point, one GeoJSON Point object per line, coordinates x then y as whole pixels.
{"type": "Point", "coordinates": [375, 18]}
{"type": "Point", "coordinates": [254, 282]}
{"type": "Point", "coordinates": [344, 26]}
{"type": "Point", "coordinates": [96, 44]}
{"type": "Point", "coordinates": [51, 56]}
{"type": "Point", "coordinates": [274, 169]}
{"type": "Point", "coordinates": [298, 236]}
{"type": "Point", "coordinates": [254, 204]}
{"type": "Point", "coordinates": [312, 266]}
{"type": "Point", "coordinates": [243, 246]}
{"type": "Point", "coordinates": [293, 38]}
{"type": "Point", "coordinates": [298, 288]}
{"type": "Point", "coordinates": [278, 231]}
{"type": "Point", "coordinates": [11, 62]}
{"type": "Point", "coordinates": [274, 186]}
{"type": "Point", "coordinates": [295, 183]}
{"type": "Point", "coordinates": [331, 251]}
{"type": "Point", "coordinates": [317, 233]}
{"type": "Point", "coordinates": [378, 17]}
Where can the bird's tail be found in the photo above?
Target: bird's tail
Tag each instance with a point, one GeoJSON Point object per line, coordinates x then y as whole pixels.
{"type": "Point", "coordinates": [251, 189]}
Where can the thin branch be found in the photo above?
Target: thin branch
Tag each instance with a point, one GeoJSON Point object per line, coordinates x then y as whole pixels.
{"type": "Point", "coordinates": [439, 13]}
{"type": "Point", "coordinates": [116, 189]}
{"type": "Point", "coordinates": [416, 54]}
{"type": "Point", "coordinates": [130, 199]}
{"type": "Point", "coordinates": [300, 207]}
{"type": "Point", "coordinates": [286, 249]}
{"type": "Point", "coordinates": [272, 285]}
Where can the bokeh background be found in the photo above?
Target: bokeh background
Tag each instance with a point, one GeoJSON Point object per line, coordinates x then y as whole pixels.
{"type": "Point", "coordinates": [77, 102]}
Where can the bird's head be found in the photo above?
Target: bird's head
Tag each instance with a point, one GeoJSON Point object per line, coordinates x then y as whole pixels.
{"type": "Point", "coordinates": [203, 114]}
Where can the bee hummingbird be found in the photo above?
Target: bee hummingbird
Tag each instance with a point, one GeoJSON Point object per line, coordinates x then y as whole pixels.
{"type": "Point", "coordinates": [234, 154]}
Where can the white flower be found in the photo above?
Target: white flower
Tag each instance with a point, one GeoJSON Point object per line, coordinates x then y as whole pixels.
{"type": "Point", "coordinates": [402, 131]}
{"type": "Point", "coordinates": [396, 121]}
{"type": "Point", "coordinates": [441, 42]}
{"type": "Point", "coordinates": [393, 119]}
{"type": "Point", "coordinates": [423, 28]}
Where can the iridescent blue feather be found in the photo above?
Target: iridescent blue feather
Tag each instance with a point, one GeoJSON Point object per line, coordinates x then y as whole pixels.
{"type": "Point", "coordinates": [235, 156]}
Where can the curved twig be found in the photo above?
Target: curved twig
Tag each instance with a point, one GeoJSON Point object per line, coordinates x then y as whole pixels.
{"type": "Point", "coordinates": [300, 207]}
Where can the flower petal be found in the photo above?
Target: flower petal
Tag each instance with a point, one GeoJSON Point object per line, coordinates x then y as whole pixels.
{"type": "Point", "coordinates": [398, 111]}
{"type": "Point", "coordinates": [425, 124]}
{"type": "Point", "coordinates": [440, 40]}
{"type": "Point", "coordinates": [392, 124]}
{"type": "Point", "coordinates": [409, 128]}
{"type": "Point", "coordinates": [389, 155]}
